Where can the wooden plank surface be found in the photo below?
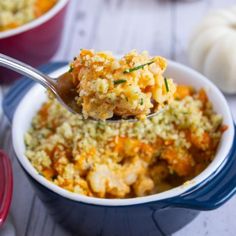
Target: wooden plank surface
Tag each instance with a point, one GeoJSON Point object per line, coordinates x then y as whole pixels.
{"type": "Point", "coordinates": [159, 26]}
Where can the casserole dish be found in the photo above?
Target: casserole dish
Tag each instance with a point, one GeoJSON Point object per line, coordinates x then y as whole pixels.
{"type": "Point", "coordinates": [150, 215]}
{"type": "Point", "coordinates": [23, 42]}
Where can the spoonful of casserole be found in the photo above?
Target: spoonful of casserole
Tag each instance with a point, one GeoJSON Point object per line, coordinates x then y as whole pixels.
{"type": "Point", "coordinates": [101, 87]}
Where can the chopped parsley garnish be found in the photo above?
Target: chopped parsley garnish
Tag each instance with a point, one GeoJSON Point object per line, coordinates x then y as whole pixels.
{"type": "Point", "coordinates": [120, 81]}
{"type": "Point", "coordinates": [100, 124]}
{"type": "Point", "coordinates": [141, 103]}
{"type": "Point", "coordinates": [71, 69]}
{"type": "Point", "coordinates": [166, 84]}
{"type": "Point", "coordinates": [137, 67]}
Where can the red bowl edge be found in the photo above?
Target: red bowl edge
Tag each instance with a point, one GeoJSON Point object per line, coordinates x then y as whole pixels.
{"type": "Point", "coordinates": [6, 186]}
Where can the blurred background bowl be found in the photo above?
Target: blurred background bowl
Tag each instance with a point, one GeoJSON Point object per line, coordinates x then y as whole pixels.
{"type": "Point", "coordinates": [35, 42]}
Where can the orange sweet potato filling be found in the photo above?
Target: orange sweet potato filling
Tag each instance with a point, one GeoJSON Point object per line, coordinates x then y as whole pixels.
{"type": "Point", "coordinates": [42, 6]}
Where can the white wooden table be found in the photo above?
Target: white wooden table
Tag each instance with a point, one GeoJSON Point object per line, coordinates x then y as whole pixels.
{"type": "Point", "coordinates": [160, 26]}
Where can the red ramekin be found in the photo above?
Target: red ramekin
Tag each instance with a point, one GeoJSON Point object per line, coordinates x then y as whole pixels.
{"type": "Point", "coordinates": [35, 42]}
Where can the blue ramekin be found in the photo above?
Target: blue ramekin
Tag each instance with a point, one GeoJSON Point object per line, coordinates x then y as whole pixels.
{"type": "Point", "coordinates": [156, 217]}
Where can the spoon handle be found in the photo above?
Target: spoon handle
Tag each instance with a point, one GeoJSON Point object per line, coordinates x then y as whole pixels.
{"type": "Point", "coordinates": [28, 71]}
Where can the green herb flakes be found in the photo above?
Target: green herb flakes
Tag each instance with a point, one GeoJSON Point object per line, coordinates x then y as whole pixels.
{"type": "Point", "coordinates": [166, 84]}
{"type": "Point", "coordinates": [71, 69]}
{"type": "Point", "coordinates": [141, 103]}
{"type": "Point", "coordinates": [137, 67]}
{"type": "Point", "coordinates": [120, 81]}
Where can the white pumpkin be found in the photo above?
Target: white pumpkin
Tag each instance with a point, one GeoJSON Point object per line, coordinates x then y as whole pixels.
{"type": "Point", "coordinates": [212, 49]}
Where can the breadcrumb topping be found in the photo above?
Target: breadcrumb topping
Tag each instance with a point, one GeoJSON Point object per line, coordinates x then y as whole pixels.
{"type": "Point", "coordinates": [122, 160]}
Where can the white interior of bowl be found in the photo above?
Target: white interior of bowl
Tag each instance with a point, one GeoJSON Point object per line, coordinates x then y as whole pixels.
{"type": "Point", "coordinates": [38, 21]}
{"type": "Point", "coordinates": [183, 75]}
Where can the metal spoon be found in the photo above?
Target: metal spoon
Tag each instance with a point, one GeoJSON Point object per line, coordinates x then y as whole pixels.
{"type": "Point", "coordinates": [62, 87]}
